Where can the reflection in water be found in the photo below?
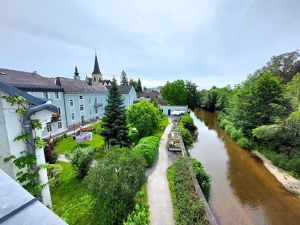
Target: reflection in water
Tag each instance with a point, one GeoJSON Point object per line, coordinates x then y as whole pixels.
{"type": "Point", "coordinates": [243, 191]}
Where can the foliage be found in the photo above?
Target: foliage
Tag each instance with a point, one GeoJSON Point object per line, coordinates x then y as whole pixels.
{"type": "Point", "coordinates": [71, 200]}
{"type": "Point", "coordinates": [163, 123]}
{"type": "Point", "coordinates": [187, 207]}
{"type": "Point", "coordinates": [115, 129]}
{"type": "Point", "coordinates": [148, 149]}
{"type": "Point", "coordinates": [124, 79]}
{"type": "Point", "coordinates": [202, 177]}
{"type": "Point", "coordinates": [137, 85]}
{"type": "Point", "coordinates": [192, 94]}
{"type": "Point", "coordinates": [54, 172]}
{"type": "Point", "coordinates": [186, 137]}
{"type": "Point", "coordinates": [144, 116]}
{"type": "Point", "coordinates": [187, 122]}
{"type": "Point", "coordinates": [285, 65]}
{"type": "Point", "coordinates": [175, 92]}
{"type": "Point", "coordinates": [113, 182]}
{"type": "Point", "coordinates": [81, 159]}
{"type": "Point", "coordinates": [50, 154]}
{"type": "Point", "coordinates": [140, 215]}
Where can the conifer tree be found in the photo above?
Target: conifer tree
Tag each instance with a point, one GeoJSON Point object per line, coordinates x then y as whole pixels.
{"type": "Point", "coordinates": [139, 85]}
{"type": "Point", "coordinates": [115, 129]}
{"type": "Point", "coordinates": [124, 80]}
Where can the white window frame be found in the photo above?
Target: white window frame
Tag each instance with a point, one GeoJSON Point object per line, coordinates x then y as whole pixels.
{"type": "Point", "coordinates": [59, 110]}
{"type": "Point", "coordinates": [81, 106]}
{"type": "Point", "coordinates": [49, 128]}
{"type": "Point", "coordinates": [71, 100]}
{"type": "Point", "coordinates": [59, 127]}
{"type": "Point", "coordinates": [73, 116]}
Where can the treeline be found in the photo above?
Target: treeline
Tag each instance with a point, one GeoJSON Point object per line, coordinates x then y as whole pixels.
{"type": "Point", "coordinates": [261, 113]}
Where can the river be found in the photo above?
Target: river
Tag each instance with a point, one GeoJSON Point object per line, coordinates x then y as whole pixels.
{"type": "Point", "coordinates": [243, 191]}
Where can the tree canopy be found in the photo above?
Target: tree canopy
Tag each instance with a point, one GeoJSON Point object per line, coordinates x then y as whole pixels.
{"type": "Point", "coordinates": [175, 92]}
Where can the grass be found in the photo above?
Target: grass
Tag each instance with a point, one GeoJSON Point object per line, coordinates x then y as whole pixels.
{"type": "Point", "coordinates": [67, 145]}
{"type": "Point", "coordinates": [70, 199]}
{"type": "Point", "coordinates": [158, 132]}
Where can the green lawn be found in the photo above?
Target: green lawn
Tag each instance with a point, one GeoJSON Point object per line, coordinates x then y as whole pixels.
{"type": "Point", "coordinates": [70, 199]}
{"type": "Point", "coordinates": [67, 145]}
{"type": "Point", "coordinates": [158, 132]}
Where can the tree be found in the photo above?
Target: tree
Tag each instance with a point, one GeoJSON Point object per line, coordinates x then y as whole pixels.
{"type": "Point", "coordinates": [144, 116]}
{"type": "Point", "coordinates": [134, 84]}
{"type": "Point", "coordinates": [192, 94]}
{"type": "Point", "coordinates": [124, 80]}
{"type": "Point", "coordinates": [115, 129]}
{"type": "Point", "coordinates": [256, 102]}
{"type": "Point", "coordinates": [175, 92]}
{"type": "Point", "coordinates": [285, 65]}
{"type": "Point", "coordinates": [81, 159]}
{"type": "Point", "coordinates": [114, 181]}
{"type": "Point", "coordinates": [139, 86]}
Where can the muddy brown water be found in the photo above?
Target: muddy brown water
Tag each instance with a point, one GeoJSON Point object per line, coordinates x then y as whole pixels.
{"type": "Point", "coordinates": [243, 191]}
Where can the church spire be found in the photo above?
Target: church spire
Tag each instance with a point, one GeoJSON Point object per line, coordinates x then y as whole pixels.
{"type": "Point", "coordinates": [96, 65]}
{"type": "Point", "coordinates": [76, 74]}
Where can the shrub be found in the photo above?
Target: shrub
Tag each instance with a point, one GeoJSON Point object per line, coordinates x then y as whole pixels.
{"type": "Point", "coordinates": [187, 206]}
{"type": "Point", "coordinates": [140, 216]}
{"type": "Point", "coordinates": [54, 171]}
{"type": "Point", "coordinates": [186, 137]}
{"type": "Point", "coordinates": [50, 155]}
{"type": "Point", "coordinates": [245, 143]}
{"type": "Point", "coordinates": [187, 122]}
{"type": "Point", "coordinates": [148, 148]}
{"type": "Point", "coordinates": [114, 182]}
{"type": "Point", "coordinates": [81, 159]}
{"type": "Point", "coordinates": [202, 177]}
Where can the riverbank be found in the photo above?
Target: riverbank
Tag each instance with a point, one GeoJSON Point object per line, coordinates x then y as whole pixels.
{"type": "Point", "coordinates": [289, 182]}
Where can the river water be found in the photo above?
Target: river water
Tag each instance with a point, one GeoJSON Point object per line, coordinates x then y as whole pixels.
{"type": "Point", "coordinates": [242, 190]}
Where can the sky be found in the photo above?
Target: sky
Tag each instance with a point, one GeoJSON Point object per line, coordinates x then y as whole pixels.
{"type": "Point", "coordinates": [210, 42]}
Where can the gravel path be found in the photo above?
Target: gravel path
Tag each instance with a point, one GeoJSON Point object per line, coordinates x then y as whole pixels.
{"type": "Point", "coordinates": [159, 196]}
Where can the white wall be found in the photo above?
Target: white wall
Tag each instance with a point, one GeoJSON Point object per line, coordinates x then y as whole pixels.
{"type": "Point", "coordinates": [168, 109]}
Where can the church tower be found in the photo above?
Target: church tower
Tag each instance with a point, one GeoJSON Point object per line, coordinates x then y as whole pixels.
{"type": "Point", "coordinates": [96, 75]}
{"type": "Point", "coordinates": [76, 74]}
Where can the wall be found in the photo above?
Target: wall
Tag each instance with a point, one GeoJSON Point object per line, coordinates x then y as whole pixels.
{"type": "Point", "coordinates": [168, 109]}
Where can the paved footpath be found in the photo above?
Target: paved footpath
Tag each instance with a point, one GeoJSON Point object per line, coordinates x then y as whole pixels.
{"type": "Point", "coordinates": [159, 196]}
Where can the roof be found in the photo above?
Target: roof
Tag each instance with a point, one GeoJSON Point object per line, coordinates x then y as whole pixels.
{"type": "Point", "coordinates": [96, 66]}
{"type": "Point", "coordinates": [20, 207]}
{"type": "Point", "coordinates": [27, 81]}
{"type": "Point", "coordinates": [9, 89]}
{"type": "Point", "coordinates": [150, 94]}
{"type": "Point", "coordinates": [125, 89]}
{"type": "Point", "coordinates": [79, 86]}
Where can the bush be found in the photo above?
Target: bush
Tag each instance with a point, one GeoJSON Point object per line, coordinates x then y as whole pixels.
{"type": "Point", "coordinates": [114, 182]}
{"type": "Point", "coordinates": [148, 148]}
{"type": "Point", "coordinates": [245, 143]}
{"type": "Point", "coordinates": [140, 216]}
{"type": "Point", "coordinates": [54, 171]}
{"type": "Point", "coordinates": [186, 137]}
{"type": "Point", "coordinates": [187, 122]}
{"type": "Point", "coordinates": [50, 155]}
{"type": "Point", "coordinates": [202, 177]}
{"type": "Point", "coordinates": [187, 206]}
{"type": "Point", "coordinates": [81, 160]}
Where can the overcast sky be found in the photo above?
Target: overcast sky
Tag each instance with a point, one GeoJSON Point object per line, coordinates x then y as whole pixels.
{"type": "Point", "coordinates": [211, 42]}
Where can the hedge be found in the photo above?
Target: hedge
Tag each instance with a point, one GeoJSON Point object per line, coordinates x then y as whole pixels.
{"type": "Point", "coordinates": [148, 148]}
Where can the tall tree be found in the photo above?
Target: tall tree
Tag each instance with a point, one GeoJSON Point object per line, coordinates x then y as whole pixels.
{"type": "Point", "coordinates": [134, 84]}
{"type": "Point", "coordinates": [139, 85]}
{"type": "Point", "coordinates": [175, 92]}
{"type": "Point", "coordinates": [115, 129]}
{"type": "Point", "coordinates": [285, 65]}
{"type": "Point", "coordinates": [192, 94]}
{"type": "Point", "coordinates": [124, 79]}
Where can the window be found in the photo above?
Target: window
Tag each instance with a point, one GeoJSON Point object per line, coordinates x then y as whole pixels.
{"type": "Point", "coordinates": [56, 95]}
{"type": "Point", "coordinates": [73, 116]}
{"type": "Point", "coordinates": [95, 100]}
{"type": "Point", "coordinates": [81, 107]}
{"type": "Point", "coordinates": [80, 97]}
{"type": "Point", "coordinates": [45, 94]}
{"type": "Point", "coordinates": [49, 128]}
{"type": "Point", "coordinates": [96, 110]}
{"type": "Point", "coordinates": [59, 125]}
{"type": "Point", "coordinates": [71, 102]}
{"type": "Point", "coordinates": [58, 110]}
{"type": "Point", "coordinates": [89, 100]}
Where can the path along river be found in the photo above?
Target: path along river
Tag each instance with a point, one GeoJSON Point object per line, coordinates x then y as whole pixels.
{"type": "Point", "coordinates": [242, 191]}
